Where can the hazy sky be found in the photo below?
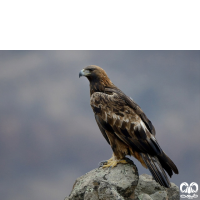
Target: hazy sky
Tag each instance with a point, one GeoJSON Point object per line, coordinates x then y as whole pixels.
{"type": "Point", "coordinates": [48, 135]}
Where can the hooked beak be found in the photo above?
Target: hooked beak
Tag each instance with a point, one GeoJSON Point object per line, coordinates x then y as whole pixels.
{"type": "Point", "coordinates": [81, 73]}
{"type": "Point", "coordinates": [84, 72]}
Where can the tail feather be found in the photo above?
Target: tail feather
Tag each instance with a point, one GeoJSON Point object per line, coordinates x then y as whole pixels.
{"type": "Point", "coordinates": [156, 170]}
{"type": "Point", "coordinates": [169, 162]}
{"type": "Point", "coordinates": [166, 167]}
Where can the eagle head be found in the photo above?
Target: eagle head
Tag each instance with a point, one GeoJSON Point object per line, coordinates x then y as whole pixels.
{"type": "Point", "coordinates": [97, 77]}
{"type": "Point", "coordinates": [93, 72]}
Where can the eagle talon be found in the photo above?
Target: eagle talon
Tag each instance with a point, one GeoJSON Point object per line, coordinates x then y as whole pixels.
{"type": "Point", "coordinates": [102, 163]}
{"type": "Point", "coordinates": [114, 163]}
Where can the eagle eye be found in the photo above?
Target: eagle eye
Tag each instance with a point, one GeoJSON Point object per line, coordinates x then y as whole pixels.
{"type": "Point", "coordinates": [91, 69]}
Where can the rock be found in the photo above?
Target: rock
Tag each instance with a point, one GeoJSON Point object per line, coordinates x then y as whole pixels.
{"type": "Point", "coordinates": [173, 192]}
{"type": "Point", "coordinates": [116, 183]}
{"type": "Point", "coordinates": [120, 183]}
{"type": "Point", "coordinates": [147, 185]}
{"type": "Point", "coordinates": [144, 197]}
{"type": "Point", "coordinates": [161, 195]}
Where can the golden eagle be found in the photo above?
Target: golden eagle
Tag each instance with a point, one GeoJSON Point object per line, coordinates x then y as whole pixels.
{"type": "Point", "coordinates": [125, 127]}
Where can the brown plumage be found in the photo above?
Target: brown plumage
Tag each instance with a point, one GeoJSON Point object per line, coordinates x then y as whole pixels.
{"type": "Point", "coordinates": [125, 126]}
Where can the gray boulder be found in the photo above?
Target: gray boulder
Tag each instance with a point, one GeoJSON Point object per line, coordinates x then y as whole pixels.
{"type": "Point", "coordinates": [147, 185]}
{"type": "Point", "coordinates": [120, 183]}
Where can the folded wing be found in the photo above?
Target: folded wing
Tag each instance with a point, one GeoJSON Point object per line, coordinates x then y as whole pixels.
{"type": "Point", "coordinates": [120, 116]}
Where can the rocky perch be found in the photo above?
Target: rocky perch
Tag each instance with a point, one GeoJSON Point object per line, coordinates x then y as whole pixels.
{"type": "Point", "coordinates": [120, 183]}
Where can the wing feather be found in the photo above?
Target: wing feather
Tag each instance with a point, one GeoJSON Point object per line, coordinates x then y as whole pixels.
{"type": "Point", "coordinates": [135, 107]}
{"type": "Point", "coordinates": [102, 129]}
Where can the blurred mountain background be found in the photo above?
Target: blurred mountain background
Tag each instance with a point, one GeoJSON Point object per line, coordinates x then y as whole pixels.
{"type": "Point", "coordinates": [48, 134]}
